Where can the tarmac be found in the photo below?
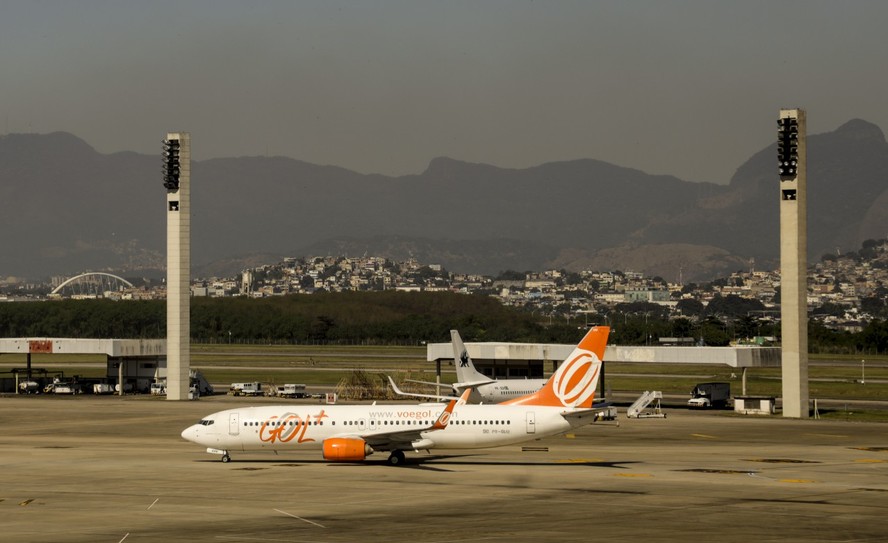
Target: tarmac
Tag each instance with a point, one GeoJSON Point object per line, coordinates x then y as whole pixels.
{"type": "Point", "coordinates": [112, 469]}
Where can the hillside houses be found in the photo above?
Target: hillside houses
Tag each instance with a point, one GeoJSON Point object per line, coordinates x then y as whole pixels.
{"type": "Point", "coordinates": [842, 289]}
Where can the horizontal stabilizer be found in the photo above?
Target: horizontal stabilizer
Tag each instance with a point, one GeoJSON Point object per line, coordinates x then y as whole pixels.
{"type": "Point", "coordinates": [473, 384]}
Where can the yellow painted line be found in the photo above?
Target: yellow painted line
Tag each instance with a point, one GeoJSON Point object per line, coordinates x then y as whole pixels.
{"type": "Point", "coordinates": [871, 461]}
{"type": "Point", "coordinates": [704, 436]}
{"type": "Point", "coordinates": [570, 436]}
{"type": "Point", "coordinates": [797, 481]}
{"type": "Point", "coordinates": [632, 475]}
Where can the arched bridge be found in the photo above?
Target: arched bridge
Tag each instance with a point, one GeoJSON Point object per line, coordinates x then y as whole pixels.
{"type": "Point", "coordinates": [92, 284]}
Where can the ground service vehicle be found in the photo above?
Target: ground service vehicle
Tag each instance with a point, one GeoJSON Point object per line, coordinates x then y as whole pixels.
{"type": "Point", "coordinates": [103, 388]}
{"type": "Point", "coordinates": [29, 387]}
{"type": "Point", "coordinates": [245, 389]}
{"type": "Point", "coordinates": [290, 391]}
{"type": "Point", "coordinates": [710, 395]}
{"type": "Point", "coordinates": [197, 386]}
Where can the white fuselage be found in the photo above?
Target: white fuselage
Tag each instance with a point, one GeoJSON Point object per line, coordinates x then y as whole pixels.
{"type": "Point", "coordinates": [295, 427]}
{"type": "Point", "coordinates": [504, 389]}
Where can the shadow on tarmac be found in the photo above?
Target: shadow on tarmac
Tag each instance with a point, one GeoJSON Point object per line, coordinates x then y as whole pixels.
{"type": "Point", "coordinates": [425, 462]}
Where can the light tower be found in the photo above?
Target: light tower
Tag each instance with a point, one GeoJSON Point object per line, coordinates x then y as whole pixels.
{"type": "Point", "coordinates": [792, 158]}
{"type": "Point", "coordinates": [177, 180]}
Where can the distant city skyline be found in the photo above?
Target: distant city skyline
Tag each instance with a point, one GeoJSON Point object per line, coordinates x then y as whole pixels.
{"type": "Point", "coordinates": [683, 87]}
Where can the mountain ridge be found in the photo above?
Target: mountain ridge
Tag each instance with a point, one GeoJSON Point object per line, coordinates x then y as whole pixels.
{"type": "Point", "coordinates": [74, 209]}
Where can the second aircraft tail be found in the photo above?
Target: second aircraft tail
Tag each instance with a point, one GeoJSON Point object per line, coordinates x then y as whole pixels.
{"type": "Point", "coordinates": [466, 373]}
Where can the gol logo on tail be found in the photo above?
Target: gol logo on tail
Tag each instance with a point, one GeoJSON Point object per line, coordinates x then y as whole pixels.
{"type": "Point", "coordinates": [575, 382]}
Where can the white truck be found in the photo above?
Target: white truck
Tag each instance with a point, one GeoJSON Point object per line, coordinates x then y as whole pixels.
{"type": "Point", "coordinates": [290, 391]}
{"type": "Point", "coordinates": [707, 395]}
{"type": "Point", "coordinates": [245, 389]}
{"type": "Point", "coordinates": [103, 388]}
{"type": "Point", "coordinates": [69, 387]}
{"type": "Point", "coordinates": [29, 387]}
{"type": "Point", "coordinates": [198, 386]}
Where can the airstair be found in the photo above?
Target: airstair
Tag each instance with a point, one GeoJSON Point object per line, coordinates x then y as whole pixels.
{"type": "Point", "coordinates": [637, 409]}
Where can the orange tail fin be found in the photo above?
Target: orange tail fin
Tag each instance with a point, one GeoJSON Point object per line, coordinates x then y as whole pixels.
{"type": "Point", "coordinates": [574, 382]}
{"type": "Point", "coordinates": [444, 417]}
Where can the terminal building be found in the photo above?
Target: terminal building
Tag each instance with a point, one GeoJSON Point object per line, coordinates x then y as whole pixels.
{"type": "Point", "coordinates": [137, 363]}
{"type": "Point", "coordinates": [520, 360]}
{"type": "Point", "coordinates": [134, 362]}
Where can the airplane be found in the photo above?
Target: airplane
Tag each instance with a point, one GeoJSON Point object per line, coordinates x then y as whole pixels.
{"type": "Point", "coordinates": [484, 389]}
{"type": "Point", "coordinates": [350, 433]}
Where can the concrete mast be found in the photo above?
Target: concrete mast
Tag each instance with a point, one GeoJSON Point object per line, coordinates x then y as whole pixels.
{"type": "Point", "coordinates": [177, 180]}
{"type": "Point", "coordinates": [792, 154]}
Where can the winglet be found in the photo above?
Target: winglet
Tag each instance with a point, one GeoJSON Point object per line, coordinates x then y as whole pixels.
{"type": "Point", "coordinates": [397, 390]}
{"type": "Point", "coordinates": [444, 417]}
{"type": "Point", "coordinates": [400, 392]}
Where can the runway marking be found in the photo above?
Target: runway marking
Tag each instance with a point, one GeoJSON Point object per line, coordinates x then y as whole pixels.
{"type": "Point", "coordinates": [300, 518]}
{"type": "Point", "coordinates": [725, 471]}
{"type": "Point", "coordinates": [124, 537]}
{"type": "Point", "coordinates": [632, 475]}
{"type": "Point", "coordinates": [871, 461]}
{"type": "Point", "coordinates": [243, 538]}
{"type": "Point", "coordinates": [26, 502]}
{"type": "Point", "coordinates": [705, 436]}
{"type": "Point", "coordinates": [781, 461]}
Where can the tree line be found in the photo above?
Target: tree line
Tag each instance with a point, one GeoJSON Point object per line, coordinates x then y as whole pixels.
{"type": "Point", "coordinates": [410, 318]}
{"type": "Point", "coordinates": [388, 317]}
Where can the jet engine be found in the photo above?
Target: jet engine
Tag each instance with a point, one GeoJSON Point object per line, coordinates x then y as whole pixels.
{"type": "Point", "coordinates": [345, 449]}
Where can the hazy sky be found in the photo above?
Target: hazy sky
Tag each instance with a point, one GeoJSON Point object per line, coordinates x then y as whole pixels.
{"type": "Point", "coordinates": [689, 88]}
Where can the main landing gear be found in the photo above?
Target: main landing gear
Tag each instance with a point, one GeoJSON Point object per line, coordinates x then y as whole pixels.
{"type": "Point", "coordinates": [226, 458]}
{"type": "Point", "coordinates": [396, 458]}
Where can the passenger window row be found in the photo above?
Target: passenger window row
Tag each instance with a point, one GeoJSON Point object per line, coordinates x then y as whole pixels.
{"type": "Point", "coordinates": [285, 423]}
{"type": "Point", "coordinates": [384, 423]}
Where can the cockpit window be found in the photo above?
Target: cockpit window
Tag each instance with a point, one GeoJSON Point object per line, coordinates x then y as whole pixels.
{"type": "Point", "coordinates": [207, 422]}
